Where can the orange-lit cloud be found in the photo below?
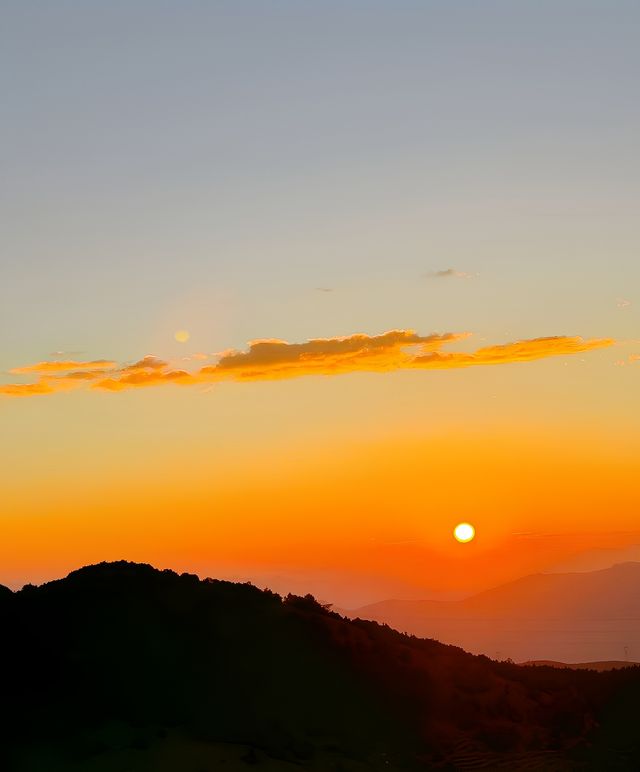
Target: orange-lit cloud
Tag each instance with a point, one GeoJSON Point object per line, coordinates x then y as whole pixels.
{"type": "Point", "coordinates": [271, 359]}
{"type": "Point", "coordinates": [146, 378]}
{"type": "Point", "coordinates": [631, 359]}
{"type": "Point", "coordinates": [508, 353]}
{"type": "Point", "coordinates": [25, 389]}
{"type": "Point", "coordinates": [149, 362]}
{"type": "Point", "coordinates": [62, 367]}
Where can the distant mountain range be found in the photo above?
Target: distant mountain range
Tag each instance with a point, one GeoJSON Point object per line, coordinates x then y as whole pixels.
{"type": "Point", "coordinates": [571, 617]}
{"type": "Point", "coordinates": [123, 667]}
{"type": "Point", "coordinates": [600, 667]}
{"type": "Point", "coordinates": [596, 559]}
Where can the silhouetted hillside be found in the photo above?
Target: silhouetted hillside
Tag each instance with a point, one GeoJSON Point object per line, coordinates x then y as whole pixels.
{"type": "Point", "coordinates": [123, 667]}
{"type": "Point", "coordinates": [599, 666]}
{"type": "Point", "coordinates": [593, 616]}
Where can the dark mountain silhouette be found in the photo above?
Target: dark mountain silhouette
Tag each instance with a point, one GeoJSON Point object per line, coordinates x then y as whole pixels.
{"type": "Point", "coordinates": [593, 616]}
{"type": "Point", "coordinates": [599, 666]}
{"type": "Point", "coordinates": [5, 594]}
{"type": "Point", "coordinates": [121, 667]}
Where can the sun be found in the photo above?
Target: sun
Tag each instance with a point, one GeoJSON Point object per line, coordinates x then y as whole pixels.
{"type": "Point", "coordinates": [182, 336]}
{"type": "Point", "coordinates": [464, 532]}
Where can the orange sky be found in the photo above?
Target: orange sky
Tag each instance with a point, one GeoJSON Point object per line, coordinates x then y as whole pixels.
{"type": "Point", "coordinates": [286, 293]}
{"type": "Point", "coordinates": [383, 509]}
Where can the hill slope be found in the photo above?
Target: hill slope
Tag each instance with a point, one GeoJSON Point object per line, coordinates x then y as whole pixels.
{"type": "Point", "coordinates": [123, 667]}
{"type": "Point", "coordinates": [592, 616]}
{"type": "Point", "coordinates": [599, 666]}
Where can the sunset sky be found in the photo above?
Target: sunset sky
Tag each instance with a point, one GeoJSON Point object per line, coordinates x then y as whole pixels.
{"type": "Point", "coordinates": [403, 241]}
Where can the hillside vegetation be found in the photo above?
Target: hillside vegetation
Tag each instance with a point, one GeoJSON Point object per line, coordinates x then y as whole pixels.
{"type": "Point", "coordinates": [121, 667]}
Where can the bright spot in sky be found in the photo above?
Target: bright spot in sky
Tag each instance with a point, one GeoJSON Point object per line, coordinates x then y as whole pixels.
{"type": "Point", "coordinates": [182, 336]}
{"type": "Point", "coordinates": [464, 532]}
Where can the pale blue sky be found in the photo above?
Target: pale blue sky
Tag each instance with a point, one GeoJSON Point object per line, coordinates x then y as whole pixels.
{"type": "Point", "coordinates": [209, 164]}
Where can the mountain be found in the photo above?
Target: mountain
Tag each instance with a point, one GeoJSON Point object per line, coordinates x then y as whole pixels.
{"type": "Point", "coordinates": [120, 666]}
{"type": "Point", "coordinates": [591, 616]}
{"type": "Point", "coordinates": [599, 666]}
{"type": "Point", "coordinates": [596, 559]}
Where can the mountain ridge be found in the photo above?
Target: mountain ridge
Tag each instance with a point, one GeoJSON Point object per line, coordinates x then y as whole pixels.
{"type": "Point", "coordinates": [120, 665]}
{"type": "Point", "coordinates": [591, 616]}
{"type": "Point", "coordinates": [510, 584]}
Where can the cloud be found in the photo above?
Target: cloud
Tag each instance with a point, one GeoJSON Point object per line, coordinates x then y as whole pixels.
{"type": "Point", "coordinates": [63, 366]}
{"type": "Point", "coordinates": [623, 303]}
{"type": "Point", "coordinates": [149, 362]}
{"type": "Point", "coordinates": [449, 273]}
{"type": "Point", "coordinates": [148, 371]}
{"type": "Point", "coordinates": [143, 378]}
{"type": "Point", "coordinates": [25, 389]}
{"type": "Point", "coordinates": [271, 359]}
{"type": "Point", "coordinates": [631, 359]}
{"type": "Point", "coordinates": [199, 355]}
{"type": "Point", "coordinates": [49, 384]}
{"type": "Point", "coordinates": [509, 353]}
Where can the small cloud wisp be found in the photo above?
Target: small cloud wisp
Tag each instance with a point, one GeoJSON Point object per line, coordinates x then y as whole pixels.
{"type": "Point", "coordinates": [449, 273]}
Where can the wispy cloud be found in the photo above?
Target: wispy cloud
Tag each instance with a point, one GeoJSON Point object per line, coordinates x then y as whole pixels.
{"type": "Point", "coordinates": [271, 359]}
{"type": "Point", "coordinates": [449, 273]}
{"type": "Point", "coordinates": [508, 353]}
{"type": "Point", "coordinates": [630, 360]}
{"type": "Point", "coordinates": [25, 389]}
{"type": "Point", "coordinates": [60, 366]}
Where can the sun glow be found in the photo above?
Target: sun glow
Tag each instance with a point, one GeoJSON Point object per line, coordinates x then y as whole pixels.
{"type": "Point", "coordinates": [464, 532]}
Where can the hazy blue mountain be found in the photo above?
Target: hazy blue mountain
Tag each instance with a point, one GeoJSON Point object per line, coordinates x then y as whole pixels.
{"type": "Point", "coordinates": [570, 617]}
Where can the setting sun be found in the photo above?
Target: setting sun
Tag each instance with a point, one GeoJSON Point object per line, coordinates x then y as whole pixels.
{"type": "Point", "coordinates": [290, 289]}
{"type": "Point", "coordinates": [464, 532]}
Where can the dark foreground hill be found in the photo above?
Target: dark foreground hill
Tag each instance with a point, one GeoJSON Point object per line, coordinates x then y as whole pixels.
{"type": "Point", "coordinates": [120, 667]}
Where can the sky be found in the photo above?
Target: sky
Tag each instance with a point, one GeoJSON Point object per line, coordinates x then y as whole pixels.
{"type": "Point", "coordinates": [402, 240]}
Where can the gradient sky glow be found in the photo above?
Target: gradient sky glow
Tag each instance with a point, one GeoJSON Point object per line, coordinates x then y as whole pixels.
{"type": "Point", "coordinates": [253, 171]}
